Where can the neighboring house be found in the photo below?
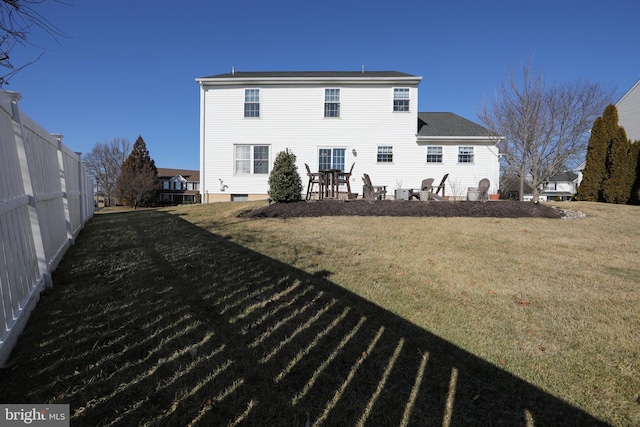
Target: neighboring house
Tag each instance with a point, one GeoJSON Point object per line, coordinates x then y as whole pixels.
{"type": "Point", "coordinates": [510, 188]}
{"type": "Point", "coordinates": [561, 187]}
{"type": "Point", "coordinates": [629, 112]}
{"type": "Point", "coordinates": [178, 186]}
{"type": "Point", "coordinates": [331, 120]}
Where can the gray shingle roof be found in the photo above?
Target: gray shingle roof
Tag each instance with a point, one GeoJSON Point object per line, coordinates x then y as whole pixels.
{"type": "Point", "coordinates": [566, 176]}
{"type": "Point", "coordinates": [448, 124]}
{"type": "Point", "coordinates": [289, 74]}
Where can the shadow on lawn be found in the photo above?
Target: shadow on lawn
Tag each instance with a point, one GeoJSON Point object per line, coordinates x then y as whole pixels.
{"type": "Point", "coordinates": [153, 320]}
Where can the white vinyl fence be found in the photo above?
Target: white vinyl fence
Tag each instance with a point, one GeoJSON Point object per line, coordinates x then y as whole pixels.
{"type": "Point", "coordinates": [46, 197]}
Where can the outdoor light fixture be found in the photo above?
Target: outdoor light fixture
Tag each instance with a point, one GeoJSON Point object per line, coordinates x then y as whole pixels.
{"type": "Point", "coordinates": [354, 152]}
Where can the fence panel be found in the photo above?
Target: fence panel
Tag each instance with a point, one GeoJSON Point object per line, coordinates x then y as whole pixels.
{"type": "Point", "coordinates": [46, 196]}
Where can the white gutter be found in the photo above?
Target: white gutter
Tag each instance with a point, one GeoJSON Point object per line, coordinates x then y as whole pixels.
{"type": "Point", "coordinates": [450, 139]}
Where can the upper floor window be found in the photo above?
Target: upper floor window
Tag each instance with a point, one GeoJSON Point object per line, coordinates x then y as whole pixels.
{"type": "Point", "coordinates": [332, 102]}
{"type": "Point", "coordinates": [252, 102]}
{"type": "Point", "coordinates": [465, 154]}
{"type": "Point", "coordinates": [401, 99]}
{"type": "Point", "coordinates": [252, 159]}
{"type": "Point", "coordinates": [385, 154]}
{"type": "Point", "coordinates": [434, 154]}
{"type": "Point", "coordinates": [165, 185]}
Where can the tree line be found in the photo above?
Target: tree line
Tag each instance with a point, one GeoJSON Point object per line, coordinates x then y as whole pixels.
{"type": "Point", "coordinates": [130, 180]}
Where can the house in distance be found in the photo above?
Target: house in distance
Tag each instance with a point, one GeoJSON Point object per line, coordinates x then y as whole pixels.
{"type": "Point", "coordinates": [178, 186]}
{"type": "Point", "coordinates": [334, 119]}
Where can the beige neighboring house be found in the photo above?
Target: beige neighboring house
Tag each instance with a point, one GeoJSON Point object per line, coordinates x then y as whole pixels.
{"type": "Point", "coordinates": [178, 186]}
{"type": "Point", "coordinates": [629, 112]}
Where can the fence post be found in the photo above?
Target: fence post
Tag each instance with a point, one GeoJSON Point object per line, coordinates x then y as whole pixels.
{"type": "Point", "coordinates": [28, 189]}
{"type": "Point", "coordinates": [81, 187]}
{"type": "Point", "coordinates": [63, 187]}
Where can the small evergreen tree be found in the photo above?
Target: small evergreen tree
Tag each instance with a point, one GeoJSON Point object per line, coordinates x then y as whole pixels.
{"type": "Point", "coordinates": [285, 184]}
{"type": "Point", "coordinates": [137, 183]}
{"type": "Point", "coordinates": [595, 170]}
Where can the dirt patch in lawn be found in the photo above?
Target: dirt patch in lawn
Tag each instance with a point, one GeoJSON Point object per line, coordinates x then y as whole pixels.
{"type": "Point", "coordinates": [496, 209]}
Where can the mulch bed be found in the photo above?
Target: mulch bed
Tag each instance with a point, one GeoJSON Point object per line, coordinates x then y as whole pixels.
{"type": "Point", "coordinates": [494, 209]}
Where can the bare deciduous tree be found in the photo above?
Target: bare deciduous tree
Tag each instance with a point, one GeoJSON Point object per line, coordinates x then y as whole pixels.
{"type": "Point", "coordinates": [104, 162]}
{"type": "Point", "coordinates": [546, 128]}
{"type": "Point", "coordinates": [18, 18]}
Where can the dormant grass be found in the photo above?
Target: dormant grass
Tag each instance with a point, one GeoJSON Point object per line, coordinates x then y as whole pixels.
{"type": "Point", "coordinates": [454, 321]}
{"type": "Point", "coordinates": [555, 302]}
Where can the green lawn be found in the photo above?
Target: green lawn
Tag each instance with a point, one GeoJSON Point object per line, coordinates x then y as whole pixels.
{"type": "Point", "coordinates": [190, 315]}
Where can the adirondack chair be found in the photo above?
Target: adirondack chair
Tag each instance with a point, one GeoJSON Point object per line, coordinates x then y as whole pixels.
{"type": "Point", "coordinates": [371, 193]}
{"type": "Point", "coordinates": [483, 189]}
{"type": "Point", "coordinates": [435, 194]}
{"type": "Point", "coordinates": [426, 189]}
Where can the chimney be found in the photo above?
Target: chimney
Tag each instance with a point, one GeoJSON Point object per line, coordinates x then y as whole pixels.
{"type": "Point", "coordinates": [233, 70]}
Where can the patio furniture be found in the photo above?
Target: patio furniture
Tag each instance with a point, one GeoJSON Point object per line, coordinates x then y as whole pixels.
{"type": "Point", "coordinates": [329, 183]}
{"type": "Point", "coordinates": [435, 194]}
{"type": "Point", "coordinates": [315, 178]}
{"type": "Point", "coordinates": [483, 190]}
{"type": "Point", "coordinates": [371, 192]}
{"type": "Point", "coordinates": [344, 178]}
{"type": "Point", "coordinates": [425, 192]}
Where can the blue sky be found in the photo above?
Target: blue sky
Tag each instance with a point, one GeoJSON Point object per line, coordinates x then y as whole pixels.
{"type": "Point", "coordinates": [128, 67]}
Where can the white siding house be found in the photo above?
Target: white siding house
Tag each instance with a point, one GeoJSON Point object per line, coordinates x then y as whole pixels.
{"type": "Point", "coordinates": [629, 112]}
{"type": "Point", "coordinates": [333, 119]}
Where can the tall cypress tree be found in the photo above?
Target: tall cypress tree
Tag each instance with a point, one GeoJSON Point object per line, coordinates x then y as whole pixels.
{"type": "Point", "coordinates": [138, 178]}
{"type": "Point", "coordinates": [595, 170]}
{"type": "Point", "coordinates": [636, 187]}
{"type": "Point", "coordinates": [618, 185]}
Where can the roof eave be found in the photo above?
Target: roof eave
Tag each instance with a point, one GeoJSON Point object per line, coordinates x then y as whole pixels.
{"type": "Point", "coordinates": [315, 80]}
{"type": "Point", "coordinates": [458, 138]}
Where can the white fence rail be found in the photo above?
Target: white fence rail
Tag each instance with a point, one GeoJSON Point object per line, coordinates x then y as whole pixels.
{"type": "Point", "coordinates": [46, 197]}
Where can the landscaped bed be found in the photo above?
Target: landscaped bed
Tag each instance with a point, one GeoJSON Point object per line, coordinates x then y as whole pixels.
{"type": "Point", "coordinates": [496, 209]}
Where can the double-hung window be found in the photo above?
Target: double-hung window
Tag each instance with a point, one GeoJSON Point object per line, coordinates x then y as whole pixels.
{"type": "Point", "coordinates": [252, 102]}
{"type": "Point", "coordinates": [434, 154]}
{"type": "Point", "coordinates": [332, 102]}
{"type": "Point", "coordinates": [251, 159]}
{"type": "Point", "coordinates": [401, 99]}
{"type": "Point", "coordinates": [385, 154]}
{"type": "Point", "coordinates": [465, 154]}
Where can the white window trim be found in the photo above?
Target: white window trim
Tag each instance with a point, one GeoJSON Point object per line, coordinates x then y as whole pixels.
{"type": "Point", "coordinates": [470, 152]}
{"type": "Point", "coordinates": [338, 103]}
{"type": "Point", "coordinates": [251, 159]}
{"type": "Point", "coordinates": [434, 154]}
{"type": "Point", "coordinates": [259, 103]}
{"type": "Point", "coordinates": [408, 99]}
{"type": "Point", "coordinates": [378, 153]}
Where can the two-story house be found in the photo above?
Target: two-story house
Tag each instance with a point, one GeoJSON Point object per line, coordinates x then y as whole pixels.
{"type": "Point", "coordinates": [178, 186]}
{"type": "Point", "coordinates": [333, 119]}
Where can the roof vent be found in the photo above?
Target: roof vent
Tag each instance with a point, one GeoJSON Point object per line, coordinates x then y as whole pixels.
{"type": "Point", "coordinates": [362, 68]}
{"type": "Point", "coordinates": [233, 70]}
